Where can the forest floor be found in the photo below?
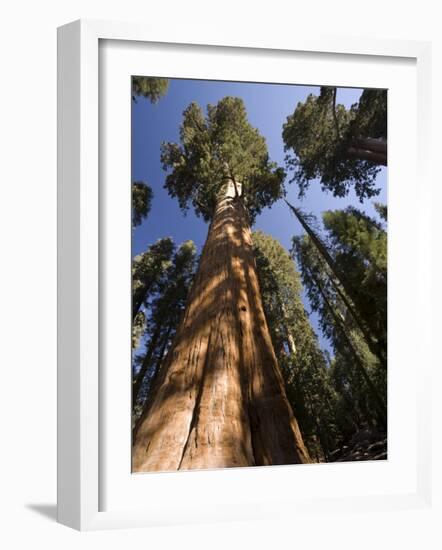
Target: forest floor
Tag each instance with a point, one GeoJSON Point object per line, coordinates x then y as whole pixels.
{"type": "Point", "coordinates": [364, 445]}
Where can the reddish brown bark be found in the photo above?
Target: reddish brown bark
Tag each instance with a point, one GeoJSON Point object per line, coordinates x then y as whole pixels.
{"type": "Point", "coordinates": [371, 149]}
{"type": "Point", "coordinates": [220, 399]}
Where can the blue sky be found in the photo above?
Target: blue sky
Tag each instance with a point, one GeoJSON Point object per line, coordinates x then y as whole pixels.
{"type": "Point", "coordinates": [268, 106]}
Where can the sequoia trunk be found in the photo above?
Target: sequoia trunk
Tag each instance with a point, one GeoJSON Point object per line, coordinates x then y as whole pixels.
{"type": "Point", "coordinates": [220, 399]}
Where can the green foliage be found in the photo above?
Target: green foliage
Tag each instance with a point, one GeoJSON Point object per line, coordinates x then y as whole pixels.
{"type": "Point", "coordinates": [303, 364]}
{"type": "Point", "coordinates": [280, 286]}
{"type": "Point", "coordinates": [142, 196]}
{"type": "Point", "coordinates": [148, 269]}
{"type": "Point", "coordinates": [369, 116]}
{"type": "Point", "coordinates": [138, 328]}
{"type": "Point", "coordinates": [217, 147]}
{"type": "Point", "coordinates": [318, 137]}
{"type": "Point", "coordinates": [171, 298]}
{"type": "Point", "coordinates": [343, 282]}
{"type": "Point", "coordinates": [355, 405]}
{"type": "Point", "coordinates": [381, 209]}
{"type": "Point", "coordinates": [151, 88]}
{"type": "Point", "coordinates": [359, 245]}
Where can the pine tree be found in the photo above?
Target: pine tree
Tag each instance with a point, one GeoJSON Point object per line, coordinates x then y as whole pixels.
{"type": "Point", "coordinates": [220, 399]}
{"type": "Point", "coordinates": [346, 275]}
{"type": "Point", "coordinates": [359, 245]}
{"type": "Point", "coordinates": [148, 269]}
{"type": "Point", "coordinates": [142, 196]}
{"type": "Point", "coordinates": [338, 325]}
{"type": "Point", "coordinates": [165, 313]}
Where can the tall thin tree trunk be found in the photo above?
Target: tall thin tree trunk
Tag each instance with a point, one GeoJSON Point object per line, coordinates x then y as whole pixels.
{"type": "Point", "coordinates": [382, 407]}
{"type": "Point", "coordinates": [138, 296]}
{"type": "Point", "coordinates": [153, 375]}
{"type": "Point", "coordinates": [220, 400]}
{"type": "Point", "coordinates": [372, 337]}
{"type": "Point", "coordinates": [290, 340]}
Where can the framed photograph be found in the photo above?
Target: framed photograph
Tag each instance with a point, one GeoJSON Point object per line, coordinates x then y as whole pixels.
{"type": "Point", "coordinates": [242, 277]}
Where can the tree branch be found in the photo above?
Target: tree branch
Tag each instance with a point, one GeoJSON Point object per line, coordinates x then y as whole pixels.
{"type": "Point", "coordinates": [200, 205]}
{"type": "Point", "coordinates": [198, 125]}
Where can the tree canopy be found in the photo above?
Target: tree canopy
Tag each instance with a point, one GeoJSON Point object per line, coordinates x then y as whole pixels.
{"type": "Point", "coordinates": [151, 88]}
{"type": "Point", "coordinates": [342, 147]}
{"type": "Point", "coordinates": [213, 148]}
{"type": "Point", "coordinates": [368, 117]}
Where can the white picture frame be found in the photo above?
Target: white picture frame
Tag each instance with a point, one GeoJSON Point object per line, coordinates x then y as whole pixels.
{"type": "Point", "coordinates": [79, 203]}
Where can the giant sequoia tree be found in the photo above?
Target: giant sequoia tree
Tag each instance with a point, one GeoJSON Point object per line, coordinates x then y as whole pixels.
{"type": "Point", "coordinates": [220, 399]}
{"type": "Point", "coordinates": [342, 147]}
